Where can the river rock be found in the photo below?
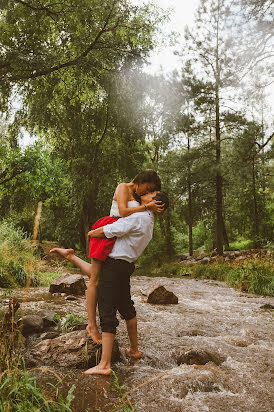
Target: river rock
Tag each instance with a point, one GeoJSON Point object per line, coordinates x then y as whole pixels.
{"type": "Point", "coordinates": [244, 286]}
{"type": "Point", "coordinates": [31, 324]}
{"type": "Point", "coordinates": [184, 256]}
{"type": "Point", "coordinates": [49, 335]}
{"type": "Point", "coordinates": [161, 296]}
{"type": "Point", "coordinates": [49, 318]}
{"type": "Point", "coordinates": [71, 297]}
{"type": "Point", "coordinates": [267, 306]}
{"type": "Point", "coordinates": [201, 357]}
{"type": "Point", "coordinates": [205, 260]}
{"type": "Point", "coordinates": [71, 284]}
{"type": "Point", "coordinates": [71, 350]}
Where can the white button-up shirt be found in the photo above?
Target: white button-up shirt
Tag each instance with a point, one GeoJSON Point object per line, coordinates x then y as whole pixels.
{"type": "Point", "coordinates": [133, 234]}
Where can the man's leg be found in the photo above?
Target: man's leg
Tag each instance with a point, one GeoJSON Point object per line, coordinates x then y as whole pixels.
{"type": "Point", "coordinates": [127, 311]}
{"type": "Point", "coordinates": [133, 351]}
{"type": "Point", "coordinates": [103, 368]}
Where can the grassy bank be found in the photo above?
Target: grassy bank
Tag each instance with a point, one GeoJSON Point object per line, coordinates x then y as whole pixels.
{"type": "Point", "coordinates": [19, 391]}
{"type": "Point", "coordinates": [253, 276]}
{"type": "Point", "coordinates": [18, 262]}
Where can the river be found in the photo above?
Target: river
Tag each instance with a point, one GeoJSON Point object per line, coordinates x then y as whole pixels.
{"type": "Point", "coordinates": [209, 316]}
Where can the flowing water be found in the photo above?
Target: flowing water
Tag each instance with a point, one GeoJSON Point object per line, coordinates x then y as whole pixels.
{"type": "Point", "coordinates": [210, 316]}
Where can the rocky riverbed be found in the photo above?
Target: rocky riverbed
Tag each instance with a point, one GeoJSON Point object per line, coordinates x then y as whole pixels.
{"type": "Point", "coordinates": [212, 351]}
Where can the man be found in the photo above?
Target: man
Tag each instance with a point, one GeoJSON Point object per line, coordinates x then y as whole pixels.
{"type": "Point", "coordinates": [133, 234]}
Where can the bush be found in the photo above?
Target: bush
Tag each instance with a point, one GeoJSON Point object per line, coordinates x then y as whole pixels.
{"type": "Point", "coordinates": [258, 275]}
{"type": "Point", "coordinates": [71, 320]}
{"type": "Point", "coordinates": [19, 393]}
{"type": "Point", "coordinates": [17, 262]}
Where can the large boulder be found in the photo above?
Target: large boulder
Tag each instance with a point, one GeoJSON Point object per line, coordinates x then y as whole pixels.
{"type": "Point", "coordinates": [161, 296]}
{"type": "Point", "coordinates": [71, 284]}
{"type": "Point", "coordinates": [201, 357]}
{"type": "Point", "coordinates": [71, 350]}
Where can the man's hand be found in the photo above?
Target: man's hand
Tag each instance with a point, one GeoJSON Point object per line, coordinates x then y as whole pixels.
{"type": "Point", "coordinates": [97, 233]}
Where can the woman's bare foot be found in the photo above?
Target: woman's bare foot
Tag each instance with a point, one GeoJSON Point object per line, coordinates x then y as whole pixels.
{"type": "Point", "coordinates": [94, 334]}
{"type": "Point", "coordinates": [98, 370]}
{"type": "Point", "coordinates": [133, 354]}
{"type": "Point", "coordinates": [66, 253]}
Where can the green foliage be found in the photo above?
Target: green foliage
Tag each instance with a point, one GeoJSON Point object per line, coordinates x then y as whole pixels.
{"type": "Point", "coordinates": [242, 244]}
{"type": "Point", "coordinates": [71, 320]}
{"type": "Point", "coordinates": [155, 253]}
{"type": "Point", "coordinates": [256, 275]}
{"type": "Point", "coordinates": [125, 405]}
{"type": "Point", "coordinates": [19, 393]}
{"type": "Point", "coordinates": [17, 263]}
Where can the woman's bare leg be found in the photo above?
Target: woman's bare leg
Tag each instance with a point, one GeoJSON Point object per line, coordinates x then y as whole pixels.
{"type": "Point", "coordinates": [91, 270]}
{"type": "Point", "coordinates": [91, 298]}
{"type": "Point", "coordinates": [69, 255]}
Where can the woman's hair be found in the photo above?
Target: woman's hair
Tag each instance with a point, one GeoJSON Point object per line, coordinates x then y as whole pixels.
{"type": "Point", "coordinates": [148, 176]}
{"type": "Point", "coordinates": [162, 197]}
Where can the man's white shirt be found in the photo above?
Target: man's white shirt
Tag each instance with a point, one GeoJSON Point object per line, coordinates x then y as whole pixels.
{"type": "Point", "coordinates": [133, 234]}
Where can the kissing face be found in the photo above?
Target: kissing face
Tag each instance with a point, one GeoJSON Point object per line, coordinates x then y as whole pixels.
{"type": "Point", "coordinates": [148, 197]}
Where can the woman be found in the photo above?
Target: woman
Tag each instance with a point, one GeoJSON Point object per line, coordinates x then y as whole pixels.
{"type": "Point", "coordinates": [124, 203]}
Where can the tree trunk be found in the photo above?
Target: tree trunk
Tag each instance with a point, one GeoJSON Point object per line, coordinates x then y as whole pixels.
{"type": "Point", "coordinates": [225, 237]}
{"type": "Point", "coordinates": [255, 205]}
{"type": "Point", "coordinates": [190, 215]}
{"type": "Point", "coordinates": [219, 180]}
{"type": "Point", "coordinates": [168, 237]}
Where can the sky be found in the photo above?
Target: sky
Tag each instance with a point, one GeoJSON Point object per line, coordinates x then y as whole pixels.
{"type": "Point", "coordinates": [181, 14]}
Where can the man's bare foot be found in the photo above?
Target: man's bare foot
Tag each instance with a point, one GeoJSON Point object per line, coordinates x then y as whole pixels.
{"type": "Point", "coordinates": [66, 253]}
{"type": "Point", "coordinates": [98, 370]}
{"type": "Point", "coordinates": [133, 354]}
{"type": "Point", "coordinates": [94, 334]}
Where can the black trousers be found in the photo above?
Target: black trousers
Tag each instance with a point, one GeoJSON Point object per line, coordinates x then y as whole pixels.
{"type": "Point", "coordinates": [114, 293]}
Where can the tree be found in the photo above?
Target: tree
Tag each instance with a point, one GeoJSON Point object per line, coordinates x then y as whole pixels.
{"type": "Point", "coordinates": [40, 39]}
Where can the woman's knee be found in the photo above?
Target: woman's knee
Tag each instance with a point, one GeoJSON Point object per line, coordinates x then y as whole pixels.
{"type": "Point", "coordinates": [93, 282]}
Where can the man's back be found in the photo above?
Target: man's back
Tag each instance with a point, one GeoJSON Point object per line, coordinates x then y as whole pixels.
{"type": "Point", "coordinates": [133, 234]}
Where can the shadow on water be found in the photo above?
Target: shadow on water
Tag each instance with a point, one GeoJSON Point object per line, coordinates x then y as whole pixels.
{"type": "Point", "coordinates": [210, 317]}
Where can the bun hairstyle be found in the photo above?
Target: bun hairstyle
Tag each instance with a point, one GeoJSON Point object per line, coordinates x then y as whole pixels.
{"type": "Point", "coordinates": [148, 176]}
{"type": "Point", "coordinates": [162, 197]}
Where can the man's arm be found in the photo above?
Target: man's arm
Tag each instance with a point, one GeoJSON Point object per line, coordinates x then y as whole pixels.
{"type": "Point", "coordinates": [97, 233]}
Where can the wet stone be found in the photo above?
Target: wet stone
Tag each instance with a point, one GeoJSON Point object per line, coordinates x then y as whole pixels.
{"type": "Point", "coordinates": [70, 297]}
{"type": "Point", "coordinates": [31, 324]}
{"type": "Point", "coordinates": [69, 284]}
{"type": "Point", "coordinates": [161, 296]}
{"type": "Point", "coordinates": [204, 386]}
{"type": "Point", "coordinates": [49, 335]}
{"type": "Point", "coordinates": [71, 350]}
{"type": "Point", "coordinates": [267, 306]}
{"type": "Point", "coordinates": [193, 357]}
{"type": "Point", "coordinates": [49, 318]}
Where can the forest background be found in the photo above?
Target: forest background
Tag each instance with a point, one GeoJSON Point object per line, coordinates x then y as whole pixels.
{"type": "Point", "coordinates": [72, 76]}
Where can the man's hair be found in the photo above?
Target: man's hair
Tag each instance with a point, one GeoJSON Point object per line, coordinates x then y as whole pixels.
{"type": "Point", "coordinates": [148, 176]}
{"type": "Point", "coordinates": [162, 197]}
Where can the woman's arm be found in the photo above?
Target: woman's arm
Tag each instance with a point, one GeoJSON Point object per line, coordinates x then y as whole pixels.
{"type": "Point", "coordinates": [122, 198]}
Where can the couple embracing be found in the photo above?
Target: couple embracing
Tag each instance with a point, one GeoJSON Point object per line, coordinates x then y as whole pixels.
{"type": "Point", "coordinates": [116, 243]}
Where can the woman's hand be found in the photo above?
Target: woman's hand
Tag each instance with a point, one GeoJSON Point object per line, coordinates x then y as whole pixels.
{"type": "Point", "coordinates": [89, 233]}
{"type": "Point", "coordinates": [156, 206]}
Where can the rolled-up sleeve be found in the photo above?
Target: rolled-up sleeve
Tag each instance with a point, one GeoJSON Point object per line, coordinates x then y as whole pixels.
{"type": "Point", "coordinates": [119, 228]}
